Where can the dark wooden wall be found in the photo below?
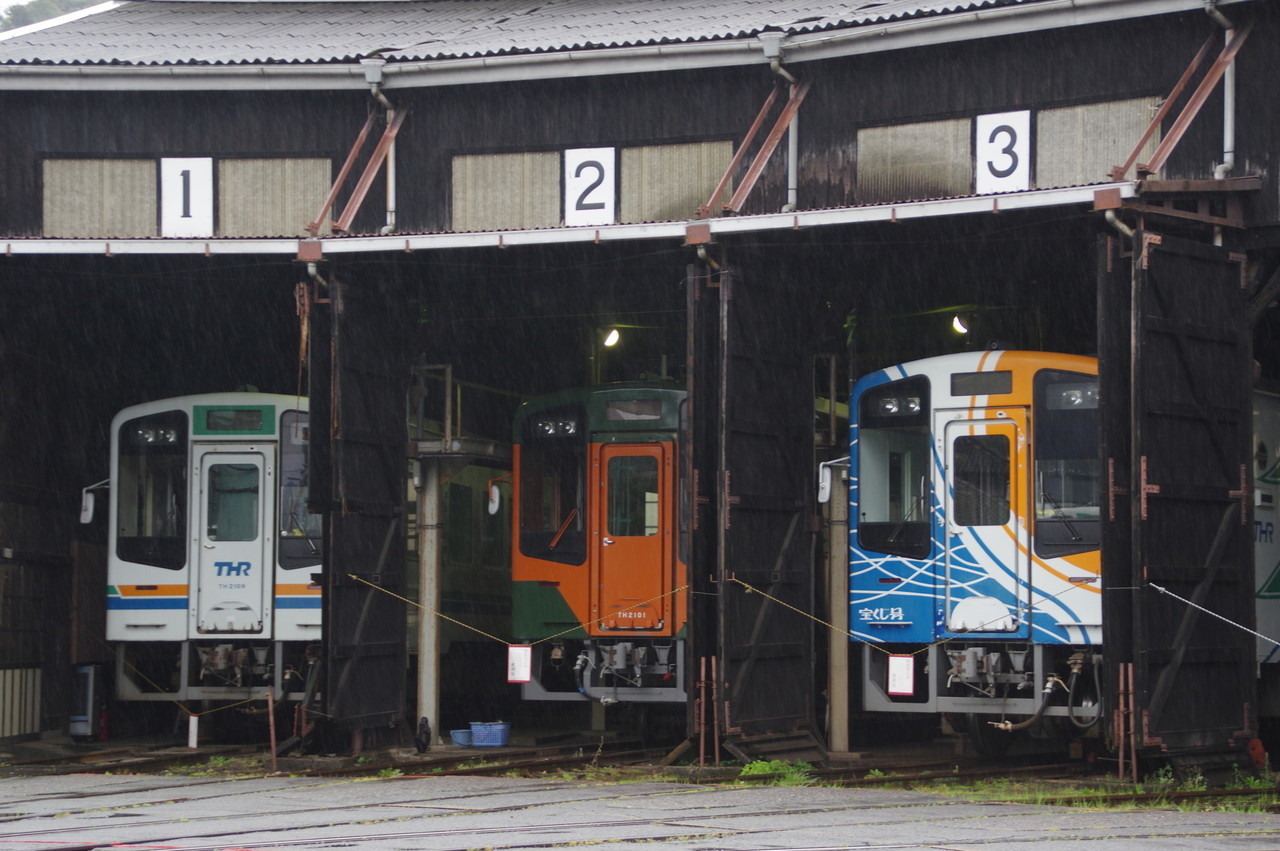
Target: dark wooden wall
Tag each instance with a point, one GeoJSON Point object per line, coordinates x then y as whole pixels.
{"type": "Point", "coordinates": [1035, 70]}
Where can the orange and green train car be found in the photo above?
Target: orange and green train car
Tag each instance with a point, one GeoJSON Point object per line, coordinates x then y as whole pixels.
{"type": "Point", "coordinates": [598, 561]}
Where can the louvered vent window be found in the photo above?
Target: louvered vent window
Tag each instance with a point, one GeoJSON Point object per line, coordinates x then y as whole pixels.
{"type": "Point", "coordinates": [1077, 145]}
{"type": "Point", "coordinates": [907, 162]}
{"type": "Point", "coordinates": [113, 198]}
{"type": "Point", "coordinates": [271, 197]}
{"type": "Point", "coordinates": [663, 183]}
{"type": "Point", "coordinates": [506, 191]}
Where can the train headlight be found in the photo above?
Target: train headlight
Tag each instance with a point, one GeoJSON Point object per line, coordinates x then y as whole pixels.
{"type": "Point", "coordinates": [557, 428]}
{"type": "Point", "coordinates": [157, 435]}
{"type": "Point", "coordinates": [1080, 396]}
{"type": "Point", "coordinates": [899, 405]}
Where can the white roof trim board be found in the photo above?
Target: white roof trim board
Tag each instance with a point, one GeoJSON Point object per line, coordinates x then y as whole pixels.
{"type": "Point", "coordinates": [969, 205]}
{"type": "Point", "coordinates": [161, 44]}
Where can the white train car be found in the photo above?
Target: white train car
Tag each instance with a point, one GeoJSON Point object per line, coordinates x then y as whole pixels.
{"type": "Point", "coordinates": [213, 586]}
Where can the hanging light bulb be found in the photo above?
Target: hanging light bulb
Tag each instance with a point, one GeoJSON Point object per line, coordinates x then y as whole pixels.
{"type": "Point", "coordinates": [611, 339]}
{"type": "Point", "coordinates": [957, 325]}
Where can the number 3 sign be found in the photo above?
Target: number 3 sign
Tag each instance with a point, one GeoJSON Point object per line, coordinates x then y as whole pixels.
{"type": "Point", "coordinates": [589, 183]}
{"type": "Point", "coordinates": [1003, 145]}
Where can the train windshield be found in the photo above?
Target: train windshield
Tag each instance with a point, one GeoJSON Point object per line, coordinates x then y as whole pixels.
{"type": "Point", "coordinates": [553, 454]}
{"type": "Point", "coordinates": [300, 532]}
{"type": "Point", "coordinates": [151, 494]}
{"type": "Point", "coordinates": [893, 468]}
{"type": "Point", "coordinates": [1067, 468]}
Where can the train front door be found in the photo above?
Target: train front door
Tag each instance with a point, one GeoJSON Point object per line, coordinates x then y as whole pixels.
{"type": "Point", "coordinates": [234, 571]}
{"type": "Point", "coordinates": [986, 570]}
{"type": "Point", "coordinates": [634, 545]}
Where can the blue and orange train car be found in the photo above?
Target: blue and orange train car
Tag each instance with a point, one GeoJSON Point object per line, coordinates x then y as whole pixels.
{"type": "Point", "coordinates": [975, 579]}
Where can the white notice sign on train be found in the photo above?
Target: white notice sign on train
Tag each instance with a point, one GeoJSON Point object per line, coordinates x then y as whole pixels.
{"type": "Point", "coordinates": [901, 675]}
{"type": "Point", "coordinates": [519, 663]}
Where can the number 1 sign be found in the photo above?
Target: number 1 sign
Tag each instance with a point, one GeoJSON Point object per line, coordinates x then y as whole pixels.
{"type": "Point", "coordinates": [1002, 142]}
{"type": "Point", "coordinates": [186, 196]}
{"type": "Point", "coordinates": [589, 186]}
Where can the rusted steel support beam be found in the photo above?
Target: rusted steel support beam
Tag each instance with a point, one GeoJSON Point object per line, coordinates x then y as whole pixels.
{"type": "Point", "coordinates": [708, 208]}
{"type": "Point", "coordinates": [370, 171]}
{"type": "Point", "coordinates": [1189, 112]}
{"type": "Point", "coordinates": [766, 150]}
{"type": "Point", "coordinates": [314, 227]}
{"type": "Point", "coordinates": [1118, 172]}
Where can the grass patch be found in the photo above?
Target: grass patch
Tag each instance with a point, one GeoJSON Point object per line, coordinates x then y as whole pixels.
{"type": "Point", "coordinates": [776, 772]}
{"type": "Point", "coordinates": [1157, 791]}
{"type": "Point", "coordinates": [222, 766]}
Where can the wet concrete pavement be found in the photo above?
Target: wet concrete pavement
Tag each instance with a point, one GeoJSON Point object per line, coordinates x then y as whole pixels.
{"type": "Point", "coordinates": [59, 813]}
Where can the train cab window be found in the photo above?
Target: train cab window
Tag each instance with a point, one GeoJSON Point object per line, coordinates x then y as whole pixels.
{"type": "Point", "coordinates": [1068, 467]}
{"type": "Point", "coordinates": [633, 496]}
{"type": "Point", "coordinates": [980, 480]}
{"type": "Point", "coordinates": [893, 468]}
{"type": "Point", "coordinates": [151, 513]}
{"type": "Point", "coordinates": [301, 541]}
{"type": "Point", "coordinates": [233, 499]}
{"type": "Point", "coordinates": [553, 454]}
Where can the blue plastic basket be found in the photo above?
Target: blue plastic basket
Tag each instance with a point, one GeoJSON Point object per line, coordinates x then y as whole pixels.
{"type": "Point", "coordinates": [492, 735]}
{"type": "Point", "coordinates": [462, 738]}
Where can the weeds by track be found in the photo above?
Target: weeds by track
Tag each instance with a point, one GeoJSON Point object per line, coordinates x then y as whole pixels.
{"type": "Point", "coordinates": [1028, 779]}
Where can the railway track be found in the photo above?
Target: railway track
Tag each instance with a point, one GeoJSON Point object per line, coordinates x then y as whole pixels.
{"type": "Point", "coordinates": [533, 762]}
{"type": "Point", "coordinates": [556, 807]}
{"type": "Point", "coordinates": [130, 760]}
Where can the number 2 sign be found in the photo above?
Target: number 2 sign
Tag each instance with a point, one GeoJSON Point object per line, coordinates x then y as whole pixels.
{"type": "Point", "coordinates": [1002, 142]}
{"type": "Point", "coordinates": [589, 186]}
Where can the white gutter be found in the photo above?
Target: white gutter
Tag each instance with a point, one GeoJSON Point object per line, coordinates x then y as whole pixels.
{"type": "Point", "coordinates": [981, 23]}
{"type": "Point", "coordinates": [573, 235]}
{"type": "Point", "coordinates": [851, 41]}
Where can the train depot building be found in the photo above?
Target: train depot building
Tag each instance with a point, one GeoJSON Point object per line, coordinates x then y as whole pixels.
{"type": "Point", "coordinates": [422, 214]}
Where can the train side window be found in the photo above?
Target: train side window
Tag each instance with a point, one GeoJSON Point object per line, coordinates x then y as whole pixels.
{"type": "Point", "coordinates": [151, 494]}
{"type": "Point", "coordinates": [553, 486]}
{"type": "Point", "coordinates": [1068, 465]}
{"type": "Point", "coordinates": [301, 537]}
{"type": "Point", "coordinates": [980, 480]}
{"type": "Point", "coordinates": [893, 501]}
{"type": "Point", "coordinates": [633, 496]}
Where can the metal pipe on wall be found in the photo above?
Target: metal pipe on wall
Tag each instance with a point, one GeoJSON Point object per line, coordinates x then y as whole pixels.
{"type": "Point", "coordinates": [773, 50]}
{"type": "Point", "coordinates": [1228, 96]}
{"type": "Point", "coordinates": [429, 593]}
{"type": "Point", "coordinates": [390, 226]}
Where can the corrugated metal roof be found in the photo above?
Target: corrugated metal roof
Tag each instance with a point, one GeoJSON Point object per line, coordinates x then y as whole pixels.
{"type": "Point", "coordinates": [193, 32]}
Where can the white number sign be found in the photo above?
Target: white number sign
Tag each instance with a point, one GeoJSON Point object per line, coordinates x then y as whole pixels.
{"type": "Point", "coordinates": [589, 186]}
{"type": "Point", "coordinates": [1003, 145]}
{"type": "Point", "coordinates": [186, 196]}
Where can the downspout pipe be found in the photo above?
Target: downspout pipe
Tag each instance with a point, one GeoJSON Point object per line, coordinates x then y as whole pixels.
{"type": "Point", "coordinates": [772, 44]}
{"type": "Point", "coordinates": [1228, 97]}
{"type": "Point", "coordinates": [1120, 227]}
{"type": "Point", "coordinates": [373, 66]}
